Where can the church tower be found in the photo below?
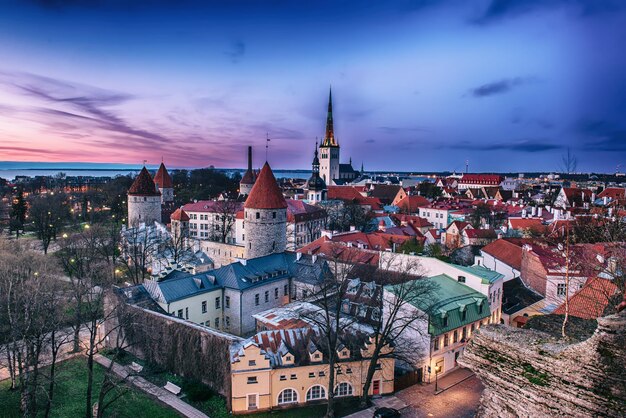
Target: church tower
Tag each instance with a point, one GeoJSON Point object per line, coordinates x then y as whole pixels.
{"type": "Point", "coordinates": [247, 181]}
{"type": "Point", "coordinates": [144, 200]}
{"type": "Point", "coordinates": [315, 186]}
{"type": "Point", "coordinates": [164, 184]}
{"type": "Point", "coordinates": [329, 148]}
{"type": "Point", "coordinates": [265, 217]}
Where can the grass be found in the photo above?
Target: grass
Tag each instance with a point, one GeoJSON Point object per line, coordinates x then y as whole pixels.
{"type": "Point", "coordinates": [70, 392]}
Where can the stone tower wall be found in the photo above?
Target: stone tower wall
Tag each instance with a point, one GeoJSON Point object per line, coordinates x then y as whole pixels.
{"type": "Point", "coordinates": [267, 234]}
{"type": "Point", "coordinates": [244, 189]}
{"type": "Point", "coordinates": [329, 164]}
{"type": "Point", "coordinates": [146, 209]}
{"type": "Point", "coordinates": [167, 195]}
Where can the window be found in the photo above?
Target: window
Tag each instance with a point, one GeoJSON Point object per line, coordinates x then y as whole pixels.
{"type": "Point", "coordinates": [217, 322]}
{"type": "Point", "coordinates": [322, 374]}
{"type": "Point", "coordinates": [293, 377]}
{"type": "Point", "coordinates": [267, 296]}
{"type": "Point", "coordinates": [180, 313]}
{"type": "Point", "coordinates": [304, 294]}
{"type": "Point", "coordinates": [274, 215]}
{"type": "Point", "coordinates": [252, 380]}
{"type": "Point", "coordinates": [436, 344]}
{"type": "Point", "coordinates": [480, 308]}
{"type": "Point", "coordinates": [252, 363]}
{"type": "Point", "coordinates": [455, 336]}
{"type": "Point", "coordinates": [258, 215]}
{"type": "Point", "coordinates": [445, 321]}
{"type": "Point", "coordinates": [276, 293]}
{"type": "Point", "coordinates": [256, 300]}
{"type": "Point", "coordinates": [316, 392]}
{"type": "Point", "coordinates": [217, 302]}
{"type": "Point", "coordinates": [285, 289]}
{"type": "Point", "coordinates": [227, 301]}
{"type": "Point", "coordinates": [348, 370]}
{"type": "Point", "coordinates": [186, 313]}
{"type": "Point", "coordinates": [227, 322]}
{"type": "Point", "coordinates": [343, 389]}
{"type": "Point", "coordinates": [464, 315]}
{"type": "Point", "coordinates": [283, 377]}
{"type": "Point", "coordinates": [287, 396]}
{"type": "Point", "coordinates": [311, 375]}
{"type": "Point", "coordinates": [560, 289]}
{"type": "Point", "coordinates": [288, 358]}
{"type": "Point", "coordinates": [316, 356]}
{"type": "Point", "coordinates": [446, 340]}
{"type": "Point", "coordinates": [204, 306]}
{"type": "Point", "coordinates": [378, 366]}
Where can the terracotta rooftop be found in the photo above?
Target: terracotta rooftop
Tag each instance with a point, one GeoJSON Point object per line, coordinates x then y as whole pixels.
{"type": "Point", "coordinates": [590, 301]}
{"type": "Point", "coordinates": [506, 251]}
{"type": "Point", "coordinates": [265, 193]}
{"type": "Point", "coordinates": [162, 178]}
{"type": "Point", "coordinates": [412, 203]}
{"type": "Point", "coordinates": [493, 179]}
{"type": "Point", "coordinates": [143, 185]}
{"type": "Point", "coordinates": [179, 215]}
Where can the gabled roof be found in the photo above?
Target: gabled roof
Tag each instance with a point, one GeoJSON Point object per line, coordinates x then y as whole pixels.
{"type": "Point", "coordinates": [265, 193]}
{"type": "Point", "coordinates": [162, 178]}
{"type": "Point", "coordinates": [328, 249]}
{"type": "Point", "coordinates": [181, 287]}
{"type": "Point", "coordinates": [143, 185]}
{"type": "Point", "coordinates": [412, 204]}
{"type": "Point", "coordinates": [614, 193]}
{"type": "Point", "coordinates": [489, 179]}
{"type": "Point", "coordinates": [352, 195]}
{"type": "Point", "coordinates": [297, 210]}
{"type": "Point", "coordinates": [487, 276]}
{"type": "Point", "coordinates": [179, 215]}
{"type": "Point", "coordinates": [505, 251]}
{"type": "Point", "coordinates": [385, 192]}
{"type": "Point", "coordinates": [516, 296]}
{"type": "Point", "coordinates": [480, 233]}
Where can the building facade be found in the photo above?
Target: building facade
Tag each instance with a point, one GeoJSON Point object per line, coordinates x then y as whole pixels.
{"type": "Point", "coordinates": [144, 200]}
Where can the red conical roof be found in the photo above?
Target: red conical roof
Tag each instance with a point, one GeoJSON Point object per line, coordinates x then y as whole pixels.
{"type": "Point", "coordinates": [179, 215]}
{"type": "Point", "coordinates": [265, 193]}
{"type": "Point", "coordinates": [143, 185]}
{"type": "Point", "coordinates": [162, 178]}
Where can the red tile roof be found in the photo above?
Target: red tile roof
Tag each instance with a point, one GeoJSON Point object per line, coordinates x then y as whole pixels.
{"type": "Point", "coordinates": [487, 179]}
{"type": "Point", "coordinates": [213, 206]}
{"type": "Point", "coordinates": [162, 178]}
{"type": "Point", "coordinates": [297, 211]}
{"type": "Point", "coordinates": [328, 249]}
{"type": "Point", "coordinates": [533, 224]}
{"type": "Point", "coordinates": [590, 301]}
{"type": "Point", "coordinates": [143, 185]}
{"type": "Point", "coordinates": [507, 251]}
{"type": "Point", "coordinates": [480, 233]}
{"type": "Point", "coordinates": [412, 204]}
{"type": "Point", "coordinates": [614, 193]}
{"type": "Point", "coordinates": [351, 195]}
{"type": "Point", "coordinates": [179, 215]}
{"type": "Point", "coordinates": [265, 193]}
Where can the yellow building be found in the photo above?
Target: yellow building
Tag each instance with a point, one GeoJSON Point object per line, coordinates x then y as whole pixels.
{"type": "Point", "coordinates": [287, 368]}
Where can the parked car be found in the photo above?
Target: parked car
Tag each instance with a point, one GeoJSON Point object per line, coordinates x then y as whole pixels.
{"type": "Point", "coordinates": [386, 413]}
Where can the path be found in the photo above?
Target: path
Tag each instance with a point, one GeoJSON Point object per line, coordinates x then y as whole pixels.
{"type": "Point", "coordinates": [151, 389]}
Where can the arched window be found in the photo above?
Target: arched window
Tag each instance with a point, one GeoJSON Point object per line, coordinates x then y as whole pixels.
{"type": "Point", "coordinates": [287, 396]}
{"type": "Point", "coordinates": [343, 389]}
{"type": "Point", "coordinates": [316, 392]}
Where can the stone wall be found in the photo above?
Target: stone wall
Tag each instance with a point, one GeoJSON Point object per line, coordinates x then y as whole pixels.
{"type": "Point", "coordinates": [267, 234]}
{"type": "Point", "coordinates": [527, 373]}
{"type": "Point", "coordinates": [146, 209]}
{"type": "Point", "coordinates": [221, 254]}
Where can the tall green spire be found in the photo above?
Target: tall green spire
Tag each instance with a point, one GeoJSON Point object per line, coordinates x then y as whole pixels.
{"type": "Point", "coordinates": [329, 138]}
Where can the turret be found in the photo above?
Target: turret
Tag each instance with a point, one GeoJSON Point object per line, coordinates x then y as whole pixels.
{"type": "Point", "coordinates": [144, 200]}
{"type": "Point", "coordinates": [164, 184]}
{"type": "Point", "coordinates": [265, 217]}
{"type": "Point", "coordinates": [315, 186]}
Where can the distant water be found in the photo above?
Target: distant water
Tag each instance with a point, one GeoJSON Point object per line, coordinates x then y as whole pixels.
{"type": "Point", "coordinates": [10, 174]}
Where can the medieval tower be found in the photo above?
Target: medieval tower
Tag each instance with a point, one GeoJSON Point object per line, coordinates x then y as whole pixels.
{"type": "Point", "coordinates": [247, 181]}
{"type": "Point", "coordinates": [164, 184]}
{"type": "Point", "coordinates": [329, 148]}
{"type": "Point", "coordinates": [144, 200]}
{"type": "Point", "coordinates": [265, 217]}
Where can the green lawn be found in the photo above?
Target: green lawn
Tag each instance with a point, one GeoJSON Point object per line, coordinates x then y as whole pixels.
{"type": "Point", "coordinates": [69, 400]}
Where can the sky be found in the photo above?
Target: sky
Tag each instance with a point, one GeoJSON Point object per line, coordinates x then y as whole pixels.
{"type": "Point", "coordinates": [418, 85]}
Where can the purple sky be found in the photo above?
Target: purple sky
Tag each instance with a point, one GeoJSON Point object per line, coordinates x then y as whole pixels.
{"type": "Point", "coordinates": [418, 85]}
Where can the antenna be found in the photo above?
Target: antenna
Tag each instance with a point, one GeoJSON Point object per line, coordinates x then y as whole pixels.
{"type": "Point", "coordinates": [267, 144]}
{"type": "Point", "coordinates": [144, 162]}
{"type": "Point", "coordinates": [466, 166]}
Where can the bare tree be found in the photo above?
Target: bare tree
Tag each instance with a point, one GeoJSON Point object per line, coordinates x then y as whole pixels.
{"type": "Point", "coordinates": [223, 226]}
{"type": "Point", "coordinates": [48, 213]}
{"type": "Point", "coordinates": [138, 247]}
{"type": "Point", "coordinates": [31, 303]}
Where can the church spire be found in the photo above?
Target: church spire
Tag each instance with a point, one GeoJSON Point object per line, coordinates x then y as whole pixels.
{"type": "Point", "coordinates": [329, 138]}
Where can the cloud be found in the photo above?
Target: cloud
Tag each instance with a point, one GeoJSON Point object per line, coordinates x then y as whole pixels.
{"type": "Point", "coordinates": [524, 145]}
{"type": "Point", "coordinates": [500, 9]}
{"type": "Point", "coordinates": [602, 135]}
{"type": "Point", "coordinates": [392, 130]}
{"type": "Point", "coordinates": [500, 87]}
{"type": "Point", "coordinates": [236, 52]}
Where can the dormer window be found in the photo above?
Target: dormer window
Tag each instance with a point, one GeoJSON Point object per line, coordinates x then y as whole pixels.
{"type": "Point", "coordinates": [445, 321]}
{"type": "Point", "coordinates": [480, 307]}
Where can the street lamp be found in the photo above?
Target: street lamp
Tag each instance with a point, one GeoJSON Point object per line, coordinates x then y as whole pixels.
{"type": "Point", "coordinates": [437, 370]}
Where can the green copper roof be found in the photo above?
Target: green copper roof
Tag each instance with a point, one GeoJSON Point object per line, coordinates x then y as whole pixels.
{"type": "Point", "coordinates": [449, 299]}
{"type": "Point", "coordinates": [487, 275]}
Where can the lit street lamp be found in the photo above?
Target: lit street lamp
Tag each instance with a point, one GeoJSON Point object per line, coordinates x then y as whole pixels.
{"type": "Point", "coordinates": [437, 370]}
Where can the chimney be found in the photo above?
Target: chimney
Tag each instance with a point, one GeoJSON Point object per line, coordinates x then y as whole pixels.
{"type": "Point", "coordinates": [298, 256]}
{"type": "Point", "coordinates": [249, 158]}
{"type": "Point", "coordinates": [524, 213]}
{"type": "Point", "coordinates": [533, 211]}
{"type": "Point", "coordinates": [539, 211]}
